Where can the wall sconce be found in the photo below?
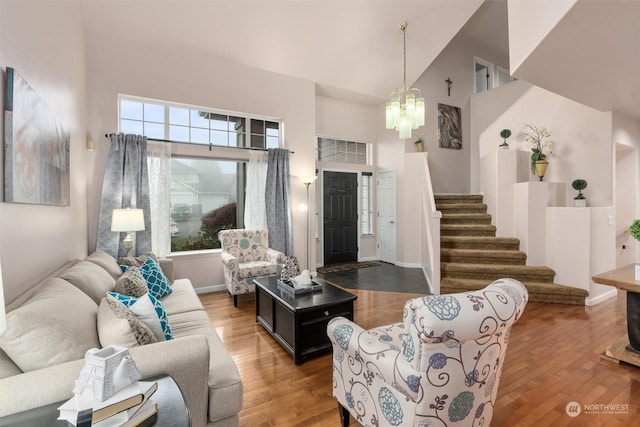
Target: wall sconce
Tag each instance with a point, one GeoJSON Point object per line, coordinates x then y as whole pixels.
{"type": "Point", "coordinates": [127, 221]}
{"type": "Point", "coordinates": [91, 144]}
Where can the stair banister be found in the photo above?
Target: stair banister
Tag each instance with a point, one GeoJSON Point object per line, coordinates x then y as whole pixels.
{"type": "Point", "coordinates": [431, 220]}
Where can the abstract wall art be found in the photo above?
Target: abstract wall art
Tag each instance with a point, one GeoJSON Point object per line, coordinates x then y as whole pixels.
{"type": "Point", "coordinates": [36, 147]}
{"type": "Point", "coordinates": [449, 127]}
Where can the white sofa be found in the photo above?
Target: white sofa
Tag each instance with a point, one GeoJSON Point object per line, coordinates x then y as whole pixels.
{"type": "Point", "coordinates": [60, 325]}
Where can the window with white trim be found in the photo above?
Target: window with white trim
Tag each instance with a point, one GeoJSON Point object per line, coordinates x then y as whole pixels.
{"type": "Point", "coordinates": [207, 193]}
{"type": "Point", "coordinates": [341, 151]}
{"type": "Point", "coordinates": [366, 202]}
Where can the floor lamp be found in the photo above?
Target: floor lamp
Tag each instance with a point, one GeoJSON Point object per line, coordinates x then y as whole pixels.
{"type": "Point", "coordinates": [307, 180]}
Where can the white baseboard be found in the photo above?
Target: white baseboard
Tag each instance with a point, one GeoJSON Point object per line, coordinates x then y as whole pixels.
{"type": "Point", "coordinates": [207, 289]}
{"type": "Point", "coordinates": [600, 298]}
{"type": "Point", "coordinates": [408, 265]}
{"type": "Point", "coordinates": [369, 258]}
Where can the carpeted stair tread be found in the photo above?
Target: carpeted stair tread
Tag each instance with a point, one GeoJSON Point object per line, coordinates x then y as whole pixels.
{"type": "Point", "coordinates": [486, 230]}
{"type": "Point", "coordinates": [480, 242]}
{"type": "Point", "coordinates": [462, 208]}
{"type": "Point", "coordinates": [538, 291]}
{"type": "Point", "coordinates": [457, 198]}
{"type": "Point", "coordinates": [465, 218]}
{"type": "Point", "coordinates": [482, 256]}
{"type": "Point", "coordinates": [497, 271]}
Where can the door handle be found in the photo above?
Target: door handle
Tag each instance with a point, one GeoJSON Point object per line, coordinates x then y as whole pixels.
{"type": "Point", "coordinates": [392, 222]}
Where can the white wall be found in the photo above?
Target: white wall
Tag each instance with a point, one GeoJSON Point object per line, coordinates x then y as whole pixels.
{"type": "Point", "coordinates": [191, 77]}
{"type": "Point", "coordinates": [626, 133]}
{"type": "Point", "coordinates": [44, 42]}
{"type": "Point", "coordinates": [581, 139]}
{"type": "Point", "coordinates": [529, 23]}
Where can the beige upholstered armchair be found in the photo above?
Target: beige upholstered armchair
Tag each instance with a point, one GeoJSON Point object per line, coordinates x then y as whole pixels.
{"type": "Point", "coordinates": [245, 256]}
{"type": "Point", "coordinates": [439, 367]}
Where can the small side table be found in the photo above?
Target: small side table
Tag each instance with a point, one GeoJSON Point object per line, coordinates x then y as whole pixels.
{"type": "Point", "coordinates": [627, 349]}
{"type": "Point", "coordinates": [172, 410]}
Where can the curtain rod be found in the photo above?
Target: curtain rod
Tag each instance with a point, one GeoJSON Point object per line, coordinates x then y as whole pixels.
{"type": "Point", "coordinates": [108, 135]}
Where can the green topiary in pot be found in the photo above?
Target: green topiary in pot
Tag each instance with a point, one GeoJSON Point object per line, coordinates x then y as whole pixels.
{"type": "Point", "coordinates": [579, 185]}
{"type": "Point", "coordinates": [634, 229]}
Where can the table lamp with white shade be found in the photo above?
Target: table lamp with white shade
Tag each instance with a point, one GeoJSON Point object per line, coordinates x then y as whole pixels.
{"type": "Point", "coordinates": [127, 221]}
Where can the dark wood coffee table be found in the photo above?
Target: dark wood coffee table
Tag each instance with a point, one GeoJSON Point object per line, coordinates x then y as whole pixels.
{"type": "Point", "coordinates": [299, 322]}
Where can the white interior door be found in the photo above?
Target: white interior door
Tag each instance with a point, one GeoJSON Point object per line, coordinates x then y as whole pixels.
{"type": "Point", "coordinates": [386, 197]}
{"type": "Point", "coordinates": [626, 177]}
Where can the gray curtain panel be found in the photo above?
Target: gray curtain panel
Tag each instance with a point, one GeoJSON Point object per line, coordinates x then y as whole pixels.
{"type": "Point", "coordinates": [125, 185]}
{"type": "Point", "coordinates": [278, 201]}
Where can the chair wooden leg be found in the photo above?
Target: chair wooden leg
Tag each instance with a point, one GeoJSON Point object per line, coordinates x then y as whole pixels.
{"type": "Point", "coordinates": [345, 416]}
{"type": "Point", "coordinates": [235, 300]}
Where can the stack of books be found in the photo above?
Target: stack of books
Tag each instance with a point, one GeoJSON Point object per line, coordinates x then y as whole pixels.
{"type": "Point", "coordinates": [129, 407]}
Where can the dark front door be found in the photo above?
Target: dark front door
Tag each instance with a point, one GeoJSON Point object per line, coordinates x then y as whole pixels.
{"type": "Point", "coordinates": [340, 217]}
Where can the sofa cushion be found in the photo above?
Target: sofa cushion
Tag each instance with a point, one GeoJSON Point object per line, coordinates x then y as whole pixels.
{"type": "Point", "coordinates": [225, 384]}
{"type": "Point", "coordinates": [57, 325]}
{"type": "Point", "coordinates": [182, 299]}
{"type": "Point", "coordinates": [117, 325]}
{"type": "Point", "coordinates": [131, 283]}
{"type": "Point", "coordinates": [105, 261]}
{"type": "Point", "coordinates": [90, 278]}
{"type": "Point", "coordinates": [150, 310]}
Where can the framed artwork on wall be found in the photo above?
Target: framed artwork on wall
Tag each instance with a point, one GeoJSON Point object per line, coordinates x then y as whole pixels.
{"type": "Point", "coordinates": [449, 127]}
{"type": "Point", "coordinates": [36, 145]}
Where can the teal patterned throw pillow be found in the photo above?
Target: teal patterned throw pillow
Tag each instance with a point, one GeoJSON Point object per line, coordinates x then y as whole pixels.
{"type": "Point", "coordinates": [138, 307]}
{"type": "Point", "coordinates": [157, 282]}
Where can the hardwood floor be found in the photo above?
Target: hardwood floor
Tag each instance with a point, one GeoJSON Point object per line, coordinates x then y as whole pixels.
{"type": "Point", "coordinates": [553, 359]}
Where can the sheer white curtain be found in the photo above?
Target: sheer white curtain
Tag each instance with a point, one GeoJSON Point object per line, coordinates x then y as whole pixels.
{"type": "Point", "coordinates": [255, 215]}
{"type": "Point", "coordinates": [159, 167]}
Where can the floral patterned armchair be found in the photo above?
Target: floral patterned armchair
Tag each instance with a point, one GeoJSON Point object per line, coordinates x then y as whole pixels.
{"type": "Point", "coordinates": [245, 256]}
{"type": "Point", "coordinates": [439, 367]}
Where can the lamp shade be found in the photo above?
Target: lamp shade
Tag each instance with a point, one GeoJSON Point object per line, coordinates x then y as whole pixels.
{"type": "Point", "coordinates": [3, 315]}
{"type": "Point", "coordinates": [308, 179]}
{"type": "Point", "coordinates": [124, 220]}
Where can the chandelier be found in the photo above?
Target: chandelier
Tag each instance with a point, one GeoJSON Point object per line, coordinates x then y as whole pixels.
{"type": "Point", "coordinates": [405, 110]}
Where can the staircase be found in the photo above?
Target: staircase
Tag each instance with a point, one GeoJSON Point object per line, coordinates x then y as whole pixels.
{"type": "Point", "coordinates": [471, 256]}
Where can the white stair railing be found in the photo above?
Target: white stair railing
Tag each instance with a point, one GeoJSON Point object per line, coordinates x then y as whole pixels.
{"type": "Point", "coordinates": [431, 232]}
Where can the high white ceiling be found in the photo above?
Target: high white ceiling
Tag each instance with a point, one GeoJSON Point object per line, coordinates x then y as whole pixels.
{"type": "Point", "coordinates": [592, 56]}
{"type": "Point", "coordinates": [352, 49]}
{"type": "Point", "coordinates": [344, 46]}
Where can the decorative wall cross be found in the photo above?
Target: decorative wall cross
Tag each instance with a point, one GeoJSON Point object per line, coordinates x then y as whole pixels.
{"type": "Point", "coordinates": [449, 83]}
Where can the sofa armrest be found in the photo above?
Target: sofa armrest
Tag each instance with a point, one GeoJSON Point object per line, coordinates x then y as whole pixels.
{"type": "Point", "coordinates": [229, 261]}
{"type": "Point", "coordinates": [166, 265]}
{"type": "Point", "coordinates": [186, 360]}
{"type": "Point", "coordinates": [377, 350]}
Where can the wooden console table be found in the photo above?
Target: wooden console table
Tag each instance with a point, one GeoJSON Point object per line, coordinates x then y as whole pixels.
{"type": "Point", "coordinates": [628, 348]}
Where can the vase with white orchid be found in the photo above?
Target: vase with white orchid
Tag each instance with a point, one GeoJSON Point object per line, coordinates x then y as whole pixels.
{"type": "Point", "coordinates": [535, 135]}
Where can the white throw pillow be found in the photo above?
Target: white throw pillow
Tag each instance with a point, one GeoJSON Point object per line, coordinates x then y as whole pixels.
{"type": "Point", "coordinates": [144, 310]}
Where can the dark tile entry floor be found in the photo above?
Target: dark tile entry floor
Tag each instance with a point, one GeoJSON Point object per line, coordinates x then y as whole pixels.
{"type": "Point", "coordinates": [384, 277]}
